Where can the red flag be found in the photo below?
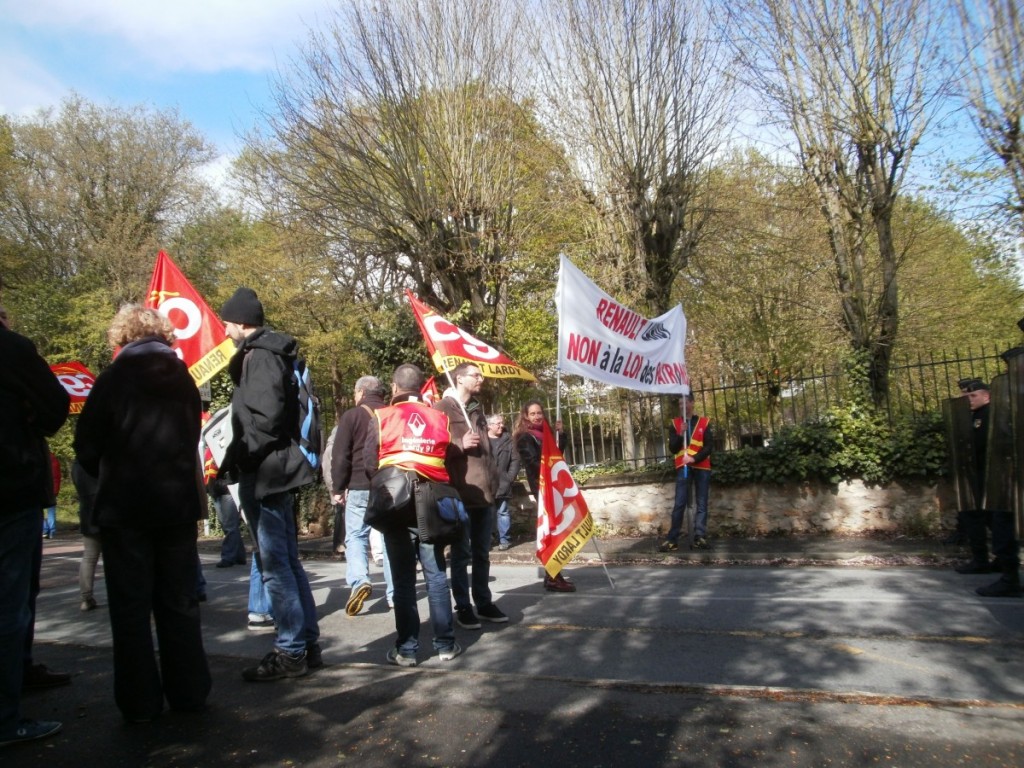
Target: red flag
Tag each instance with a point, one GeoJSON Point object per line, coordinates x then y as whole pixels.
{"type": "Point", "coordinates": [564, 523]}
{"type": "Point", "coordinates": [429, 393]}
{"type": "Point", "coordinates": [200, 339]}
{"type": "Point", "coordinates": [449, 345]}
{"type": "Point", "coordinates": [77, 380]}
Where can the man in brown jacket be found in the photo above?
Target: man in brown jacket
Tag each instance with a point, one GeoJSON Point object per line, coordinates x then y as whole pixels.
{"type": "Point", "coordinates": [475, 475]}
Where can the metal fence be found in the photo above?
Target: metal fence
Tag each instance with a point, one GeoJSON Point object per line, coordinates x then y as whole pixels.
{"type": "Point", "coordinates": [626, 426]}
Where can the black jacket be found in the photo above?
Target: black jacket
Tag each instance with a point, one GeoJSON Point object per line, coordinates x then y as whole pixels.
{"type": "Point", "coordinates": [265, 414]}
{"type": "Point", "coordinates": [506, 458]}
{"type": "Point", "coordinates": [33, 406]}
{"type": "Point", "coordinates": [528, 448]}
{"type": "Point", "coordinates": [138, 435]}
{"type": "Point", "coordinates": [347, 469]}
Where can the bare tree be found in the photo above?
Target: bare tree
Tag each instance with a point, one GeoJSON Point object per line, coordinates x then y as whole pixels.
{"type": "Point", "coordinates": [400, 136]}
{"type": "Point", "coordinates": [637, 91]}
{"type": "Point", "coordinates": [856, 83]}
{"type": "Point", "coordinates": [993, 60]}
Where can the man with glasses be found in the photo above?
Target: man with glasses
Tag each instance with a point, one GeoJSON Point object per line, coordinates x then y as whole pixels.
{"type": "Point", "coordinates": [475, 475]}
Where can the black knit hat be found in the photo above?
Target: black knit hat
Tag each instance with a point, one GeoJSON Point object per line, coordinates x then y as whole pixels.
{"type": "Point", "coordinates": [243, 308]}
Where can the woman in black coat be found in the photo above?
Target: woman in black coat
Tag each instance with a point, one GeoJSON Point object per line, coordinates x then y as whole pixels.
{"type": "Point", "coordinates": [527, 436]}
{"type": "Point", "coordinates": [138, 434]}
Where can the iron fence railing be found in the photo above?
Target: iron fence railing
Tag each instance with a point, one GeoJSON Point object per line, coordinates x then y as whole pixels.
{"type": "Point", "coordinates": [626, 426]}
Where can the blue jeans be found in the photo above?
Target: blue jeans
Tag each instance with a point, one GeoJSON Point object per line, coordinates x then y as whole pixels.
{"type": "Point", "coordinates": [503, 519]}
{"type": "Point", "coordinates": [259, 598]}
{"type": "Point", "coordinates": [20, 530]}
{"type": "Point", "coordinates": [474, 547]}
{"type": "Point", "coordinates": [404, 548]}
{"type": "Point", "coordinates": [232, 550]}
{"type": "Point", "coordinates": [700, 479]}
{"type": "Point", "coordinates": [50, 527]}
{"type": "Point", "coordinates": [290, 596]}
{"type": "Point", "coordinates": [357, 542]}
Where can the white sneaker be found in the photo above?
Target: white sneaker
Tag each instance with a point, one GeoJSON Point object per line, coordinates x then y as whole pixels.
{"type": "Point", "coordinates": [394, 657]}
{"type": "Point", "coordinates": [450, 653]}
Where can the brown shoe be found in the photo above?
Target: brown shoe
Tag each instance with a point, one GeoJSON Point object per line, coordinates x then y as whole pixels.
{"type": "Point", "coordinates": [558, 584]}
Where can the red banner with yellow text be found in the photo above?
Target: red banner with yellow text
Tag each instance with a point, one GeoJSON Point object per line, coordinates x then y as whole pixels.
{"type": "Point", "coordinates": [449, 345]}
{"type": "Point", "coordinates": [200, 339]}
{"type": "Point", "coordinates": [77, 381]}
{"type": "Point", "coordinates": [564, 523]}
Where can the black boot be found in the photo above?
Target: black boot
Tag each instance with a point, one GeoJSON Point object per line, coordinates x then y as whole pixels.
{"type": "Point", "coordinates": [1006, 586]}
{"type": "Point", "coordinates": [975, 521]}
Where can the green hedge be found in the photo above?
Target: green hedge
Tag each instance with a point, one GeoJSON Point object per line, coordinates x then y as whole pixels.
{"type": "Point", "coordinates": [847, 444]}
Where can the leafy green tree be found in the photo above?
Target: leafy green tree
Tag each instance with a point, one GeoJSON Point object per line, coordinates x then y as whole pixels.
{"type": "Point", "coordinates": [87, 196]}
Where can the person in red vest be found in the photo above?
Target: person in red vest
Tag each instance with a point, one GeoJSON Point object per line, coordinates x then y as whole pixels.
{"type": "Point", "coordinates": [690, 440]}
{"type": "Point", "coordinates": [413, 437]}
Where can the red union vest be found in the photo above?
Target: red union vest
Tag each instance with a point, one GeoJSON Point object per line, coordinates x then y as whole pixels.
{"type": "Point", "coordinates": [696, 442]}
{"type": "Point", "coordinates": [413, 436]}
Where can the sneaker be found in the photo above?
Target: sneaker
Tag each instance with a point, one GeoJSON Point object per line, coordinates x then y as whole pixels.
{"type": "Point", "coordinates": [39, 677]}
{"type": "Point", "coordinates": [262, 625]}
{"type": "Point", "coordinates": [491, 613]}
{"type": "Point", "coordinates": [466, 619]}
{"type": "Point", "coordinates": [700, 543]}
{"type": "Point", "coordinates": [450, 653]}
{"type": "Point", "coordinates": [394, 657]}
{"type": "Point", "coordinates": [668, 546]}
{"type": "Point", "coordinates": [277, 665]}
{"type": "Point", "coordinates": [1000, 588]}
{"type": "Point", "coordinates": [355, 600]}
{"type": "Point", "coordinates": [504, 546]}
{"type": "Point", "coordinates": [88, 604]}
{"type": "Point", "coordinates": [224, 564]}
{"type": "Point", "coordinates": [558, 584]}
{"type": "Point", "coordinates": [379, 562]}
{"type": "Point", "coordinates": [314, 656]}
{"type": "Point", "coordinates": [27, 730]}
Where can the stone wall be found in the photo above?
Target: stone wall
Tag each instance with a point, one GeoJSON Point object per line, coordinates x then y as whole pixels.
{"type": "Point", "coordinates": [634, 505]}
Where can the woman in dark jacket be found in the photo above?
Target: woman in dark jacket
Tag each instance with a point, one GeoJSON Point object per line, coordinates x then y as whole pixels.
{"type": "Point", "coordinates": [138, 434]}
{"type": "Point", "coordinates": [528, 438]}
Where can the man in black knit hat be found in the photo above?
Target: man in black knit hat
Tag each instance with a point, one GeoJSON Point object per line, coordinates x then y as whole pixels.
{"type": "Point", "coordinates": [264, 457]}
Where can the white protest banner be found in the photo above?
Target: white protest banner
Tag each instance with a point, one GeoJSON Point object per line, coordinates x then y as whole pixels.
{"type": "Point", "coordinates": [600, 339]}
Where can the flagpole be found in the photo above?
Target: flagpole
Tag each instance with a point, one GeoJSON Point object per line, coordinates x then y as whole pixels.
{"type": "Point", "coordinates": [600, 557]}
{"type": "Point", "coordinates": [558, 394]}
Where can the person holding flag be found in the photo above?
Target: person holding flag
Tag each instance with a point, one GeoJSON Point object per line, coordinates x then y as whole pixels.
{"type": "Point", "coordinates": [690, 440]}
{"type": "Point", "coordinates": [474, 474]}
{"type": "Point", "coordinates": [528, 437]}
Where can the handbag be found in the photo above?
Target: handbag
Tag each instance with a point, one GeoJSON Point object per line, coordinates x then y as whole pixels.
{"type": "Point", "coordinates": [390, 504]}
{"type": "Point", "coordinates": [440, 514]}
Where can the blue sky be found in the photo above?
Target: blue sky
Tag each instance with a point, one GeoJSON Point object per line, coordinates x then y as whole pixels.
{"type": "Point", "coordinates": [213, 60]}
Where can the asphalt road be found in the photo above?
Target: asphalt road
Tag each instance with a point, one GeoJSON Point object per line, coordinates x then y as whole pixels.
{"type": "Point", "coordinates": [716, 666]}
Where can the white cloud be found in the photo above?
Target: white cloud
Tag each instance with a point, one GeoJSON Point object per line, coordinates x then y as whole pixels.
{"type": "Point", "coordinates": [186, 35]}
{"type": "Point", "coordinates": [27, 87]}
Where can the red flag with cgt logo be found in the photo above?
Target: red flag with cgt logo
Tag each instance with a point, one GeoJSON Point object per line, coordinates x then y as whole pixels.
{"type": "Point", "coordinates": [200, 338]}
{"type": "Point", "coordinates": [449, 345]}
{"type": "Point", "coordinates": [77, 380]}
{"type": "Point", "coordinates": [564, 523]}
